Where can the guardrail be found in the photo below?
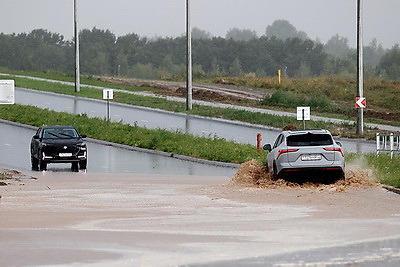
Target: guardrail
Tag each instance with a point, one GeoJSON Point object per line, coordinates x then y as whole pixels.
{"type": "Point", "coordinates": [387, 143]}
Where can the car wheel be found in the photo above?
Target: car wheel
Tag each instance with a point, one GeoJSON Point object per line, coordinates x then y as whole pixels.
{"type": "Point", "coordinates": [34, 164]}
{"type": "Point", "coordinates": [42, 165]}
{"type": "Point", "coordinates": [74, 167]}
{"type": "Point", "coordinates": [83, 164]}
{"type": "Point", "coordinates": [342, 176]}
{"type": "Point", "coordinates": [275, 174]}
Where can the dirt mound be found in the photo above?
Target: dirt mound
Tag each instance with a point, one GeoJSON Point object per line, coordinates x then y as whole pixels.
{"type": "Point", "coordinates": [251, 174]}
{"type": "Point", "coordinates": [7, 175]}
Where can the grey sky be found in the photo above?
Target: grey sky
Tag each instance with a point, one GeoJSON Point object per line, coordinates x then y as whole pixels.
{"type": "Point", "coordinates": [318, 18]}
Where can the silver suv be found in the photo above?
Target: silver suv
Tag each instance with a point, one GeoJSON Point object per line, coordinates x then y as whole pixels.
{"type": "Point", "coordinates": [306, 153]}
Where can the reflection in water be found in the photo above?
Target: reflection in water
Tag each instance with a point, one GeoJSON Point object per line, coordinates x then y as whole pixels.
{"type": "Point", "coordinates": [75, 109]}
{"type": "Point", "coordinates": [187, 125]}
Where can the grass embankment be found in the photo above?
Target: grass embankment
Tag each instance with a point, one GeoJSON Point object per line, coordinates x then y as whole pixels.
{"type": "Point", "coordinates": [379, 93]}
{"type": "Point", "coordinates": [216, 149]}
{"type": "Point", "coordinates": [328, 96]}
{"type": "Point", "coordinates": [386, 169]}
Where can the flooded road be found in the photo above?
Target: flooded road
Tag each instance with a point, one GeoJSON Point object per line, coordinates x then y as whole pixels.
{"type": "Point", "coordinates": [14, 154]}
{"type": "Point", "coordinates": [171, 220]}
{"type": "Point", "coordinates": [150, 118]}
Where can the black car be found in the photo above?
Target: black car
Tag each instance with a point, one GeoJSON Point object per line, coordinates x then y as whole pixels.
{"type": "Point", "coordinates": [58, 144]}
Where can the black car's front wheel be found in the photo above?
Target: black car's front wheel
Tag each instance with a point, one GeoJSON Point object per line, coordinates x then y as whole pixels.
{"type": "Point", "coordinates": [34, 163]}
{"type": "Point", "coordinates": [74, 167]}
{"type": "Point", "coordinates": [83, 164]}
{"type": "Point", "coordinates": [42, 165]}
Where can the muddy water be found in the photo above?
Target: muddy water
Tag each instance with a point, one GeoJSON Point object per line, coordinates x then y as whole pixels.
{"type": "Point", "coordinates": [252, 174]}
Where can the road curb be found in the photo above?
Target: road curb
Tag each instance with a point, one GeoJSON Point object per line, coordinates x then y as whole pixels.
{"type": "Point", "coordinates": [392, 189]}
{"type": "Point", "coordinates": [165, 154]}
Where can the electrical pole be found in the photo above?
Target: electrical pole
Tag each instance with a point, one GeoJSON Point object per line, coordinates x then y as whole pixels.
{"type": "Point", "coordinates": [76, 32]}
{"type": "Point", "coordinates": [360, 67]}
{"type": "Point", "coordinates": [189, 86]}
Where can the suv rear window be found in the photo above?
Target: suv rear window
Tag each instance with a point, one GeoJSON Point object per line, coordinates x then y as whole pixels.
{"type": "Point", "coordinates": [309, 139]}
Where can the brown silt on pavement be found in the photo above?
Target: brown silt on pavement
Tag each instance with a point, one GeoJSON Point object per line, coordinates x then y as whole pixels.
{"type": "Point", "coordinates": [165, 220]}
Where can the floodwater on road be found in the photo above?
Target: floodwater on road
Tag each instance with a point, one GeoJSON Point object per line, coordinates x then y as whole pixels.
{"type": "Point", "coordinates": [150, 118]}
{"type": "Point", "coordinates": [15, 154]}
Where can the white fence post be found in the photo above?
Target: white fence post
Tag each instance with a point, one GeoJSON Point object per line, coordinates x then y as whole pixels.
{"type": "Point", "coordinates": [378, 143]}
{"type": "Point", "coordinates": [389, 143]}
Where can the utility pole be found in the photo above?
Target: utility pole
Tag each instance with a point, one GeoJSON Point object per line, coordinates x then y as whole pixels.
{"type": "Point", "coordinates": [360, 67]}
{"type": "Point", "coordinates": [189, 86]}
{"type": "Point", "coordinates": [76, 32]}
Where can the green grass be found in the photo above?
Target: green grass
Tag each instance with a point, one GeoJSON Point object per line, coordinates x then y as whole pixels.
{"type": "Point", "coordinates": [380, 93]}
{"type": "Point", "coordinates": [386, 169]}
{"type": "Point", "coordinates": [285, 99]}
{"type": "Point", "coordinates": [215, 149]}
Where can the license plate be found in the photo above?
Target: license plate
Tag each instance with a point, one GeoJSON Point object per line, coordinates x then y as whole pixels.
{"type": "Point", "coordinates": [311, 157]}
{"type": "Point", "coordinates": [65, 154]}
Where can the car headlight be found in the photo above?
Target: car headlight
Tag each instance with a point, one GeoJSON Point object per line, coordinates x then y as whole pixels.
{"type": "Point", "coordinates": [82, 146]}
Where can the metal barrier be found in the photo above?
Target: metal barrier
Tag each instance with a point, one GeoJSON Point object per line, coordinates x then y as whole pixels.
{"type": "Point", "coordinates": [387, 143]}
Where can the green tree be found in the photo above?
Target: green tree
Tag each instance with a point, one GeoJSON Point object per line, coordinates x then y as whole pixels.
{"type": "Point", "coordinates": [282, 29]}
{"type": "Point", "coordinates": [373, 53]}
{"type": "Point", "coordinates": [236, 68]}
{"type": "Point", "coordinates": [97, 52]}
{"type": "Point", "coordinates": [200, 34]}
{"type": "Point", "coordinates": [240, 35]}
{"type": "Point", "coordinates": [338, 47]}
{"type": "Point", "coordinates": [128, 49]}
{"type": "Point", "coordinates": [390, 63]}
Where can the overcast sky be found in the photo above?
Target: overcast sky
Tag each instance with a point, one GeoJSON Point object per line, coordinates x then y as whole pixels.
{"type": "Point", "coordinates": [153, 18]}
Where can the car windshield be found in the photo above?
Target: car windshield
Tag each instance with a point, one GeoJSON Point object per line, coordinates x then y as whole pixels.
{"type": "Point", "coordinates": [61, 133]}
{"type": "Point", "coordinates": [309, 139]}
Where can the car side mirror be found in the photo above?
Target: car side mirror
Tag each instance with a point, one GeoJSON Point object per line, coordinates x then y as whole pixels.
{"type": "Point", "coordinates": [36, 136]}
{"type": "Point", "coordinates": [267, 147]}
{"type": "Point", "coordinates": [339, 144]}
{"type": "Point", "coordinates": [83, 135]}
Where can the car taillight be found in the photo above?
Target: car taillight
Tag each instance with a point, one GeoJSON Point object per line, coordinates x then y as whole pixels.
{"type": "Point", "coordinates": [335, 149]}
{"type": "Point", "coordinates": [283, 151]}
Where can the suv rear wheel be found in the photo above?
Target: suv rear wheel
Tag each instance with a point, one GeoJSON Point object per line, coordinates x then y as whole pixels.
{"type": "Point", "coordinates": [275, 174]}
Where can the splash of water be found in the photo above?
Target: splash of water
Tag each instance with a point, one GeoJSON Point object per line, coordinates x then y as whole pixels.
{"type": "Point", "coordinates": [252, 174]}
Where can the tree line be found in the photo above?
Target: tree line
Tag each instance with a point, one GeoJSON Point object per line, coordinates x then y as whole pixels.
{"type": "Point", "coordinates": [241, 52]}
